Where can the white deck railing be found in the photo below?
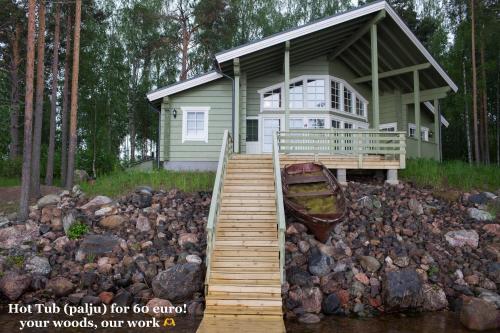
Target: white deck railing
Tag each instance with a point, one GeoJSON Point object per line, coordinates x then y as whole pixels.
{"type": "Point", "coordinates": [360, 143]}
{"type": "Point", "coordinates": [280, 209]}
{"type": "Point", "coordinates": [225, 153]}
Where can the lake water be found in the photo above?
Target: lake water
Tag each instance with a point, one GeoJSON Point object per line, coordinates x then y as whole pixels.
{"type": "Point", "coordinates": [418, 323]}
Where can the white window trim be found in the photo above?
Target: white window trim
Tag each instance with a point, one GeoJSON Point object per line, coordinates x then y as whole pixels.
{"type": "Point", "coordinates": [355, 124]}
{"type": "Point", "coordinates": [305, 119]}
{"type": "Point", "coordinates": [413, 127]}
{"type": "Point", "coordinates": [423, 131]}
{"type": "Point", "coordinates": [328, 96]}
{"type": "Point", "coordinates": [388, 125]}
{"type": "Point", "coordinates": [258, 127]}
{"type": "Point", "coordinates": [185, 110]}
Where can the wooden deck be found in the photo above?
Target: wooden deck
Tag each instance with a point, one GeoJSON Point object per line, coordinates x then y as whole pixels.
{"type": "Point", "coordinates": [244, 288]}
{"type": "Point", "coordinates": [373, 162]}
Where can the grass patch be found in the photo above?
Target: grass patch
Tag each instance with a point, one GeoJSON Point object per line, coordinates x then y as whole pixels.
{"type": "Point", "coordinates": [77, 230]}
{"type": "Point", "coordinates": [451, 174]}
{"type": "Point", "coordinates": [119, 183]}
{"type": "Point", "coordinates": [15, 261]}
{"type": "Point", "coordinates": [9, 181]}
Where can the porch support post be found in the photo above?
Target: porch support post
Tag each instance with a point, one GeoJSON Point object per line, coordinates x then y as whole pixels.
{"type": "Point", "coordinates": [236, 134]}
{"type": "Point", "coordinates": [375, 92]}
{"type": "Point", "coordinates": [416, 102]}
{"type": "Point", "coordinates": [437, 129]}
{"type": "Point", "coordinates": [287, 85]}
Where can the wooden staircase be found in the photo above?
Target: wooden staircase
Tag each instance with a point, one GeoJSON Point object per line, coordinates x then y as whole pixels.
{"type": "Point", "coordinates": [244, 288]}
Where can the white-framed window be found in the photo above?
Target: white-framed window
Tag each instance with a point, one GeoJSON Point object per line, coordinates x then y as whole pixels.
{"type": "Point", "coordinates": [195, 123]}
{"type": "Point", "coordinates": [360, 107]}
{"type": "Point", "coordinates": [412, 130]}
{"type": "Point", "coordinates": [252, 130]}
{"type": "Point", "coordinates": [316, 123]}
{"type": "Point", "coordinates": [348, 125]}
{"type": "Point", "coordinates": [296, 123]}
{"type": "Point", "coordinates": [297, 95]}
{"type": "Point", "coordinates": [388, 127]}
{"type": "Point", "coordinates": [347, 100]}
{"type": "Point", "coordinates": [424, 133]}
{"type": "Point", "coordinates": [315, 93]}
{"type": "Point", "coordinates": [335, 94]}
{"type": "Point", "coordinates": [271, 99]}
{"type": "Point", "coordinates": [336, 124]}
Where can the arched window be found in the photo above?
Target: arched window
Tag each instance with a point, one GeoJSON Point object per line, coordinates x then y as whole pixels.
{"type": "Point", "coordinates": [316, 92]}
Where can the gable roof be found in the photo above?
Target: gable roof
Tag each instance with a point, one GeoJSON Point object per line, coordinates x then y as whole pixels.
{"type": "Point", "coordinates": [278, 39]}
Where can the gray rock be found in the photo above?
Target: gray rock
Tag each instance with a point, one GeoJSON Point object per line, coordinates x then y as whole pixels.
{"type": "Point", "coordinates": [194, 259]}
{"type": "Point", "coordinates": [13, 285]}
{"type": "Point", "coordinates": [320, 264]}
{"type": "Point", "coordinates": [369, 263]}
{"type": "Point", "coordinates": [142, 224]}
{"type": "Point", "coordinates": [415, 206]}
{"type": "Point", "coordinates": [479, 215]}
{"type": "Point", "coordinates": [48, 200]}
{"type": "Point", "coordinates": [122, 298]}
{"type": "Point", "coordinates": [402, 262]}
{"type": "Point", "coordinates": [460, 238]}
{"type": "Point", "coordinates": [80, 176]}
{"type": "Point", "coordinates": [179, 282]}
{"type": "Point", "coordinates": [142, 199]}
{"type": "Point", "coordinates": [67, 221]}
{"type": "Point", "coordinates": [402, 290]}
{"type": "Point", "coordinates": [434, 298]}
{"type": "Point", "coordinates": [479, 199]}
{"type": "Point", "coordinates": [38, 265]}
{"type": "Point", "coordinates": [297, 276]}
{"type": "Point", "coordinates": [96, 202]}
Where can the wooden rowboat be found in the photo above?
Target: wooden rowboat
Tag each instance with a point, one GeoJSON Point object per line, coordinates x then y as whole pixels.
{"type": "Point", "coordinates": [312, 195]}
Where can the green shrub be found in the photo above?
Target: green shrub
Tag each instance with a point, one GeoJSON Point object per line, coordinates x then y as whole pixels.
{"type": "Point", "coordinates": [11, 168]}
{"type": "Point", "coordinates": [77, 230]}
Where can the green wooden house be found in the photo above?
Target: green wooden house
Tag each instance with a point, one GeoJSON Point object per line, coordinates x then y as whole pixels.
{"type": "Point", "coordinates": [348, 87]}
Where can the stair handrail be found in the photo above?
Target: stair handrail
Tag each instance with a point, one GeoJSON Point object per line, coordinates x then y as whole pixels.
{"type": "Point", "coordinates": [280, 209]}
{"type": "Point", "coordinates": [224, 155]}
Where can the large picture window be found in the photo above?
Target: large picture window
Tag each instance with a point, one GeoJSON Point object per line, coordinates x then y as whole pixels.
{"type": "Point", "coordinates": [195, 124]}
{"type": "Point", "coordinates": [316, 92]}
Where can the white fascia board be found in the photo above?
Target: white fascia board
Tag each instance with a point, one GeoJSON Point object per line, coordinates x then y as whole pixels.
{"type": "Point", "coordinates": [307, 29]}
{"type": "Point", "coordinates": [283, 37]}
{"type": "Point", "coordinates": [419, 45]}
{"type": "Point", "coordinates": [183, 85]}
{"type": "Point", "coordinates": [431, 108]}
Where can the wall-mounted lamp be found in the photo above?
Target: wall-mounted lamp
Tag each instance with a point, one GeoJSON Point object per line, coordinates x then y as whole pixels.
{"type": "Point", "coordinates": [431, 134]}
{"type": "Point", "coordinates": [174, 113]}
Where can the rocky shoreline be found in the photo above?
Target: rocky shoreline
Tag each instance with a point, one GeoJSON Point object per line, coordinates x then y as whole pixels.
{"type": "Point", "coordinates": [399, 249]}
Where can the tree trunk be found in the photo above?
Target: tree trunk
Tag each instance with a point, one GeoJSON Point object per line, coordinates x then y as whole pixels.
{"type": "Point", "coordinates": [28, 114]}
{"type": "Point", "coordinates": [49, 175]}
{"type": "Point", "coordinates": [64, 111]}
{"type": "Point", "coordinates": [484, 120]}
{"type": "Point", "coordinates": [131, 115]}
{"type": "Point", "coordinates": [477, 153]}
{"type": "Point", "coordinates": [466, 117]}
{"type": "Point", "coordinates": [498, 112]}
{"type": "Point", "coordinates": [14, 93]}
{"type": "Point", "coordinates": [74, 97]}
{"type": "Point", "coordinates": [40, 85]}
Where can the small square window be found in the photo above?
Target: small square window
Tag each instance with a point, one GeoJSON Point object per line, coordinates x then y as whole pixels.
{"type": "Point", "coordinates": [316, 123]}
{"type": "Point", "coordinates": [252, 130]}
{"type": "Point", "coordinates": [348, 125]}
{"type": "Point", "coordinates": [347, 100]}
{"type": "Point", "coordinates": [360, 107]}
{"type": "Point", "coordinates": [336, 124]}
{"type": "Point", "coordinates": [296, 123]}
{"type": "Point", "coordinates": [195, 124]}
{"type": "Point", "coordinates": [272, 99]}
{"type": "Point", "coordinates": [412, 130]}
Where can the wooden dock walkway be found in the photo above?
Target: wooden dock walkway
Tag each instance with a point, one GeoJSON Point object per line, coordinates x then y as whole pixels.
{"type": "Point", "coordinates": [244, 288]}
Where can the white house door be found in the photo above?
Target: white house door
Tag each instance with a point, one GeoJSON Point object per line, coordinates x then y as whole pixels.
{"type": "Point", "coordinates": [269, 126]}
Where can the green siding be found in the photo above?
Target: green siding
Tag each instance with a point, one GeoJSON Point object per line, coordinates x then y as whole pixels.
{"type": "Point", "coordinates": [217, 96]}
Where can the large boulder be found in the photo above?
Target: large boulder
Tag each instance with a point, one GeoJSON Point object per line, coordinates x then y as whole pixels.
{"type": "Point", "coordinates": [96, 202]}
{"type": "Point", "coordinates": [142, 197]}
{"type": "Point", "coordinates": [460, 238]}
{"type": "Point", "coordinates": [179, 282]}
{"type": "Point", "coordinates": [16, 235]}
{"type": "Point", "coordinates": [13, 285]}
{"type": "Point", "coordinates": [48, 200]}
{"type": "Point", "coordinates": [402, 290]}
{"type": "Point", "coordinates": [479, 315]}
